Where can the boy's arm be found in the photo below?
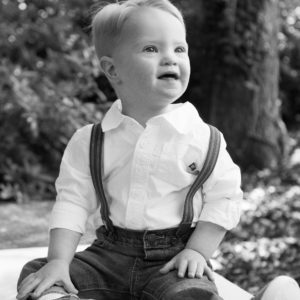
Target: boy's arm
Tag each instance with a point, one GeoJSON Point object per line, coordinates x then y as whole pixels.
{"type": "Point", "coordinates": [220, 212]}
{"type": "Point", "coordinates": [62, 247]}
{"type": "Point", "coordinates": [206, 238]}
{"type": "Point", "coordinates": [199, 248]}
{"type": "Point", "coordinates": [63, 244]}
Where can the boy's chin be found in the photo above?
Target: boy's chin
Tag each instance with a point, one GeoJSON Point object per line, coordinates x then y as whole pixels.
{"type": "Point", "coordinates": [169, 98]}
{"type": "Point", "coordinates": [172, 93]}
{"type": "Point", "coordinates": [165, 101]}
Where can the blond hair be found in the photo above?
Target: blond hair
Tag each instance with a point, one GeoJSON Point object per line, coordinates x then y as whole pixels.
{"type": "Point", "coordinates": [109, 18]}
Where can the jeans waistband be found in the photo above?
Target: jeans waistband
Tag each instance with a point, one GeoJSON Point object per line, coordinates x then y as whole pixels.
{"type": "Point", "coordinates": [150, 245]}
{"type": "Point", "coordinates": [144, 238]}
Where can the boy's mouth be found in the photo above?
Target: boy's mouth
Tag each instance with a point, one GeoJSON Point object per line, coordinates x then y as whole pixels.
{"type": "Point", "coordinates": [169, 75]}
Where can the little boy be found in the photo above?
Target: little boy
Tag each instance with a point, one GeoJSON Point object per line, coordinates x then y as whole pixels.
{"type": "Point", "coordinates": [153, 242]}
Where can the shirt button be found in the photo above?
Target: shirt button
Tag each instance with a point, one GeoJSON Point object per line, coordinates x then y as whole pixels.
{"type": "Point", "coordinates": [140, 172]}
{"type": "Point", "coordinates": [144, 162]}
{"type": "Point", "coordinates": [143, 144]}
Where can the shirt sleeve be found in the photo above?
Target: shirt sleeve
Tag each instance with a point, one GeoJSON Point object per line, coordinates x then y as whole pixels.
{"type": "Point", "coordinates": [221, 192]}
{"type": "Point", "coordinates": [76, 199]}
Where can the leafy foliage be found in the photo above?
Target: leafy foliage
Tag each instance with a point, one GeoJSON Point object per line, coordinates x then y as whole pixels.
{"type": "Point", "coordinates": [266, 242]}
{"type": "Point", "coordinates": [49, 89]}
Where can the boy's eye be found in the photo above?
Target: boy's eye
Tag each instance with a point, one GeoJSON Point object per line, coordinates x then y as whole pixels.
{"type": "Point", "coordinates": [150, 49]}
{"type": "Point", "coordinates": [181, 49]}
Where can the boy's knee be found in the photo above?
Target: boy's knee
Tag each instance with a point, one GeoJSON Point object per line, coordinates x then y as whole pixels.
{"type": "Point", "coordinates": [182, 291]}
{"type": "Point", "coordinates": [170, 287]}
{"type": "Point", "coordinates": [192, 294]}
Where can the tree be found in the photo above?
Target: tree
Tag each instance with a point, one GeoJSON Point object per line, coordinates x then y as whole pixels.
{"type": "Point", "coordinates": [235, 73]}
{"type": "Point", "coordinates": [289, 50]}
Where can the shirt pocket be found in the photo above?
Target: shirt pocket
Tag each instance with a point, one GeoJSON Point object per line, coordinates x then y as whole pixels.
{"type": "Point", "coordinates": [172, 167]}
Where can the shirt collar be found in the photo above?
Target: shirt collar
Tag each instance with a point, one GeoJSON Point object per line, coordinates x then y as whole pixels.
{"type": "Point", "coordinates": [182, 118]}
{"type": "Point", "coordinates": [114, 117]}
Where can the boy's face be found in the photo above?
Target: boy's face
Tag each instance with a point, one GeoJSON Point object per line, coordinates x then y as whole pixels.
{"type": "Point", "coordinates": [151, 59]}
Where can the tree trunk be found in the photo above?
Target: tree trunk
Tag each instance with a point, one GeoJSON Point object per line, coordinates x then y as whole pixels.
{"type": "Point", "coordinates": [234, 81]}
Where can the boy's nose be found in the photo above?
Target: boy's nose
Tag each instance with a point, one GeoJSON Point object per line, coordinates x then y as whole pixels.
{"type": "Point", "coordinates": [168, 60]}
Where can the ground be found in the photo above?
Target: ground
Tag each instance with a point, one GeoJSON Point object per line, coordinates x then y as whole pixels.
{"type": "Point", "coordinates": [26, 225]}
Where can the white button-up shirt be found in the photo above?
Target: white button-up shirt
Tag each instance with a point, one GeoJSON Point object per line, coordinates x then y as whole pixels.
{"type": "Point", "coordinates": [147, 174]}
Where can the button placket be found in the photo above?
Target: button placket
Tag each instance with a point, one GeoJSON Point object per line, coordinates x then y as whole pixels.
{"type": "Point", "coordinates": [135, 208]}
{"type": "Point", "coordinates": [141, 166]}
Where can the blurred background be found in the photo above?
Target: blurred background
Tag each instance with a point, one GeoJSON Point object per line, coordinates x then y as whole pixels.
{"type": "Point", "coordinates": [245, 58]}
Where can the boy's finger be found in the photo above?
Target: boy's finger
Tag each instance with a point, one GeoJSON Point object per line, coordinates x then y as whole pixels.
{"type": "Point", "coordinates": [30, 278]}
{"type": "Point", "coordinates": [192, 268]}
{"type": "Point", "coordinates": [70, 288]}
{"type": "Point", "coordinates": [182, 268]}
{"type": "Point", "coordinates": [26, 289]}
{"type": "Point", "coordinates": [209, 272]}
{"type": "Point", "coordinates": [43, 286]}
{"type": "Point", "coordinates": [170, 265]}
{"type": "Point", "coordinates": [199, 272]}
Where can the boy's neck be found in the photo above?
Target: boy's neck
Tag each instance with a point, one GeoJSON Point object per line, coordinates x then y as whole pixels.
{"type": "Point", "coordinates": [142, 116]}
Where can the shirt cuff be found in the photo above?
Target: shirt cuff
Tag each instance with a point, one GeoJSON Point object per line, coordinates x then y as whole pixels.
{"type": "Point", "coordinates": [68, 216]}
{"type": "Point", "coordinates": [225, 213]}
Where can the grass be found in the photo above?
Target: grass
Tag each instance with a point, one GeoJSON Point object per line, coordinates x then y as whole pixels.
{"type": "Point", "coordinates": [26, 225]}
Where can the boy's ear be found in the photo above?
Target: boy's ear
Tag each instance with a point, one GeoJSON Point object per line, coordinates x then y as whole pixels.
{"type": "Point", "coordinates": [108, 67]}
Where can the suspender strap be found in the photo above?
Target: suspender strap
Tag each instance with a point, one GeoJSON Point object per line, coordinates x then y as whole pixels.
{"type": "Point", "coordinates": [96, 146]}
{"type": "Point", "coordinates": [208, 167]}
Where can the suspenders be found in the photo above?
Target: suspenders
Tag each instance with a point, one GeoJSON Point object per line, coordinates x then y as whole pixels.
{"type": "Point", "coordinates": [96, 153]}
{"type": "Point", "coordinates": [208, 167]}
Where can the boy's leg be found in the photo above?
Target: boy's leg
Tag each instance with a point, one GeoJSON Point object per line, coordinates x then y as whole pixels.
{"type": "Point", "coordinates": [102, 274]}
{"type": "Point", "coordinates": [170, 287]}
{"type": "Point", "coordinates": [32, 267]}
{"type": "Point", "coordinates": [97, 273]}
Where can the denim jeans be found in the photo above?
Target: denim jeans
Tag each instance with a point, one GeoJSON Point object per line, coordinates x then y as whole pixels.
{"type": "Point", "coordinates": [125, 265]}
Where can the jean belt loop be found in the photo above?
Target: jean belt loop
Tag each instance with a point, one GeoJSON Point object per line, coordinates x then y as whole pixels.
{"type": "Point", "coordinates": [183, 229]}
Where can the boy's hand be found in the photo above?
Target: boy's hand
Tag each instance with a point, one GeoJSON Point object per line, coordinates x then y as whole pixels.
{"type": "Point", "coordinates": [191, 262]}
{"type": "Point", "coordinates": [54, 272]}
